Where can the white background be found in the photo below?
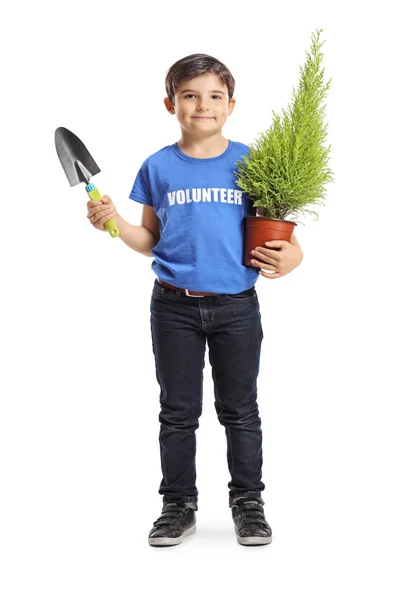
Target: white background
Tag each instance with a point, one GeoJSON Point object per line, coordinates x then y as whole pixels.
{"type": "Point", "coordinates": [79, 408]}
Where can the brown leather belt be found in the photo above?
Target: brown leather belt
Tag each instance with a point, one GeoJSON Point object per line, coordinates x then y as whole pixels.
{"type": "Point", "coordinates": [187, 292]}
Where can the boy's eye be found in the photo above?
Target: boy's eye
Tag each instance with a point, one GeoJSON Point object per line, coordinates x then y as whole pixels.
{"type": "Point", "coordinates": [214, 96]}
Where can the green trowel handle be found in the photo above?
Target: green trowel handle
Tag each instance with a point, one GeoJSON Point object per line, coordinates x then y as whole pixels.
{"type": "Point", "coordinates": [95, 195]}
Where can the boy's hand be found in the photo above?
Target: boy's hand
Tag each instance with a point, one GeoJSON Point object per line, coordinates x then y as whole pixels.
{"type": "Point", "coordinates": [283, 259]}
{"type": "Point", "coordinates": [100, 212]}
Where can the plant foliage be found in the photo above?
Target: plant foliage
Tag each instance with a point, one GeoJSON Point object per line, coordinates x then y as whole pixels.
{"type": "Point", "coordinates": [286, 168]}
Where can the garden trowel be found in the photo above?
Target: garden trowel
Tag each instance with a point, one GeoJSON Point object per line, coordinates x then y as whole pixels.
{"type": "Point", "coordinates": [79, 167]}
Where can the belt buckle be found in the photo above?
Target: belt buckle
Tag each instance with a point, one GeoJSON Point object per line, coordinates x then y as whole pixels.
{"type": "Point", "coordinates": [191, 295]}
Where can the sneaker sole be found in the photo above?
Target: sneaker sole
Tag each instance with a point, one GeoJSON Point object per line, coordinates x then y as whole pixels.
{"type": "Point", "coordinates": [172, 541]}
{"type": "Point", "coordinates": [253, 541]}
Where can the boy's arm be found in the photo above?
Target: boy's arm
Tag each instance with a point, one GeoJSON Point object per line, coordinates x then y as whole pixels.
{"type": "Point", "coordinates": [294, 241]}
{"type": "Point", "coordinates": [136, 237]}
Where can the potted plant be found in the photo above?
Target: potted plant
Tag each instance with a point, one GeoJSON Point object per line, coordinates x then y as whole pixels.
{"type": "Point", "coordinates": [286, 168]}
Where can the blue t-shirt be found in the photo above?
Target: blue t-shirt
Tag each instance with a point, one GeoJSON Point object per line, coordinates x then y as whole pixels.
{"type": "Point", "coordinates": [201, 213]}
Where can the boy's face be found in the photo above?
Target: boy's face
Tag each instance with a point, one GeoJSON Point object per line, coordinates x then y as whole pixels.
{"type": "Point", "coordinates": [203, 96]}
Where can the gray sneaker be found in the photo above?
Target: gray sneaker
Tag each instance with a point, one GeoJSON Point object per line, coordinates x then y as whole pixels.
{"type": "Point", "coordinates": [251, 528]}
{"type": "Point", "coordinates": [176, 521]}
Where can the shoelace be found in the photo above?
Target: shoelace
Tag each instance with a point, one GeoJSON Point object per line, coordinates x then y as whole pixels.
{"type": "Point", "coordinates": [251, 512]}
{"type": "Point", "coordinates": [170, 513]}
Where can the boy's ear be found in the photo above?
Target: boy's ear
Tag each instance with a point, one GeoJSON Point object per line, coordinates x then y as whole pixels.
{"type": "Point", "coordinates": [231, 105]}
{"type": "Point", "coordinates": [169, 106]}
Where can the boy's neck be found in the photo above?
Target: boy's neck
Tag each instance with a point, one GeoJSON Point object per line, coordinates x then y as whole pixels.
{"type": "Point", "coordinates": [208, 147]}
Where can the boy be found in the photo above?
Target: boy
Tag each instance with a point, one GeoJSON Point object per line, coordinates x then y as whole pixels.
{"type": "Point", "coordinates": [192, 224]}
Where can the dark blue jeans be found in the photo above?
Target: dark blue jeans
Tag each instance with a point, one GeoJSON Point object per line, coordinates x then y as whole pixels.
{"type": "Point", "coordinates": [180, 326]}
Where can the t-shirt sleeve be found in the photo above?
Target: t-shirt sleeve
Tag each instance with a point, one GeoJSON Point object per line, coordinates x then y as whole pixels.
{"type": "Point", "coordinates": [141, 188]}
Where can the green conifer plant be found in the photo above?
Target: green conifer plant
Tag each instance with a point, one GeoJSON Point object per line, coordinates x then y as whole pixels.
{"type": "Point", "coordinates": [286, 168]}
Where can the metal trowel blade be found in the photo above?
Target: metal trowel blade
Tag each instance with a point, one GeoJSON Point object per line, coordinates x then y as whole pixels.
{"type": "Point", "coordinates": [76, 160]}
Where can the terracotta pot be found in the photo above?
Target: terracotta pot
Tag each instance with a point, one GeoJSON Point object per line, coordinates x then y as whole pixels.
{"type": "Point", "coordinates": [259, 230]}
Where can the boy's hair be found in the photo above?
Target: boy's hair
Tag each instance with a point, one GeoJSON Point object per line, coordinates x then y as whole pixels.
{"type": "Point", "coordinates": [193, 65]}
